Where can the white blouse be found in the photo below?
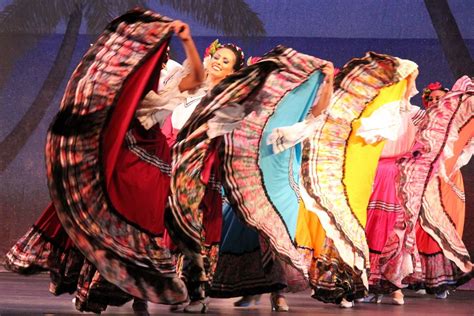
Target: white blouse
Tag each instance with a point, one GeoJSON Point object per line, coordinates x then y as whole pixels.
{"type": "Point", "coordinates": [156, 107]}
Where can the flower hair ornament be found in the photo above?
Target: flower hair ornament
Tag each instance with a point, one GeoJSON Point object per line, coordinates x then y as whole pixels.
{"type": "Point", "coordinates": [215, 46]}
{"type": "Point", "coordinates": [252, 60]}
{"type": "Point", "coordinates": [212, 48]}
{"type": "Point", "coordinates": [430, 88]}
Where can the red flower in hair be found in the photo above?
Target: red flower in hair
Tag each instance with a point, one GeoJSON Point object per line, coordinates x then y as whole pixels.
{"type": "Point", "coordinates": [430, 88]}
{"type": "Point", "coordinates": [212, 48]}
{"type": "Point", "coordinates": [435, 86]}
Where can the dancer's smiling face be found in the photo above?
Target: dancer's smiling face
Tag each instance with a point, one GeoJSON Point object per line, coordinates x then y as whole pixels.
{"type": "Point", "coordinates": [435, 96]}
{"type": "Point", "coordinates": [222, 64]}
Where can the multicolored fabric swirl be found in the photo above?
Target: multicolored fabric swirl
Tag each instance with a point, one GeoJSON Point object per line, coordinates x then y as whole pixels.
{"type": "Point", "coordinates": [82, 147]}
{"type": "Point", "coordinates": [452, 115]}
{"type": "Point", "coordinates": [281, 87]}
{"type": "Point", "coordinates": [338, 169]}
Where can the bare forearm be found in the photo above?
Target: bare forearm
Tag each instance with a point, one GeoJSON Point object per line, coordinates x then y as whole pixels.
{"type": "Point", "coordinates": [410, 84]}
{"type": "Point", "coordinates": [197, 72]}
{"type": "Point", "coordinates": [195, 78]}
{"type": "Point", "coordinates": [324, 97]}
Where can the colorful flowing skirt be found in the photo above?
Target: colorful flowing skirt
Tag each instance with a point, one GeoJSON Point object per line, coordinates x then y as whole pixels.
{"type": "Point", "coordinates": [338, 171]}
{"type": "Point", "coordinates": [444, 200]}
{"type": "Point", "coordinates": [90, 161]}
{"type": "Point", "coordinates": [426, 249]}
{"type": "Point", "coordinates": [47, 247]}
{"type": "Point", "coordinates": [382, 213]}
{"type": "Point", "coordinates": [281, 88]}
{"type": "Point", "coordinates": [245, 267]}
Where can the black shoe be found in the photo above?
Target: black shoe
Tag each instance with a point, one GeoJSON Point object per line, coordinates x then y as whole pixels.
{"type": "Point", "coordinates": [140, 307]}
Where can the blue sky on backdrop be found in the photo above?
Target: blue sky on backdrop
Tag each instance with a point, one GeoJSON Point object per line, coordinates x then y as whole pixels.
{"type": "Point", "coordinates": [337, 18]}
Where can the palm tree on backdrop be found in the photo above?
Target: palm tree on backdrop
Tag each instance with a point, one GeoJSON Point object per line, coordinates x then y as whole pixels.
{"type": "Point", "coordinates": [454, 47]}
{"type": "Point", "coordinates": [41, 17]}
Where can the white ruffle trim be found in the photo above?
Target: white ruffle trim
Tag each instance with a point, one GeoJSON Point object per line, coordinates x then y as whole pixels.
{"type": "Point", "coordinates": [384, 123]}
{"type": "Point", "coordinates": [282, 138]}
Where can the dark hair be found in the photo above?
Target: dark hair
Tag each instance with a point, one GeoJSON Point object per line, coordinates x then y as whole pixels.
{"type": "Point", "coordinates": [239, 55]}
{"type": "Point", "coordinates": [434, 86]}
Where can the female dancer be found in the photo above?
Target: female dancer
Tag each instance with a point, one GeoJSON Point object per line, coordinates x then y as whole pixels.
{"type": "Point", "coordinates": [384, 207]}
{"type": "Point", "coordinates": [444, 196]}
{"type": "Point", "coordinates": [336, 183]}
{"type": "Point", "coordinates": [129, 221]}
{"type": "Point", "coordinates": [221, 60]}
{"type": "Point", "coordinates": [420, 244]}
{"type": "Point", "coordinates": [244, 266]}
{"type": "Point", "coordinates": [282, 88]}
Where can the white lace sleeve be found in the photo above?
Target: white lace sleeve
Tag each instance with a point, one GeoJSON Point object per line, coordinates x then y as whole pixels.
{"type": "Point", "coordinates": [155, 107]}
{"type": "Point", "coordinates": [282, 138]}
{"type": "Point", "coordinates": [384, 123]}
{"type": "Point", "coordinates": [463, 159]}
{"type": "Point", "coordinates": [172, 79]}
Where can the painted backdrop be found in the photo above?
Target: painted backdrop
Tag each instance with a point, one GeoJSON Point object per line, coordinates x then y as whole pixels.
{"type": "Point", "coordinates": [41, 42]}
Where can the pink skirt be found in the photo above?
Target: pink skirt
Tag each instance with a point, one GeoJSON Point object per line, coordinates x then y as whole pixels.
{"type": "Point", "coordinates": [383, 205]}
{"type": "Point", "coordinates": [382, 212]}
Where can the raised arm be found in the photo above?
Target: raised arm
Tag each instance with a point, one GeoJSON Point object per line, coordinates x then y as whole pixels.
{"type": "Point", "coordinates": [410, 86]}
{"type": "Point", "coordinates": [326, 90]}
{"type": "Point", "coordinates": [196, 76]}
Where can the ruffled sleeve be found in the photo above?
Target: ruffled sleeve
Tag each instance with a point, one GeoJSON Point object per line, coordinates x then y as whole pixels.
{"type": "Point", "coordinates": [155, 107]}
{"type": "Point", "coordinates": [387, 122]}
{"type": "Point", "coordinates": [462, 160]}
{"type": "Point", "coordinates": [384, 123]}
{"type": "Point", "coordinates": [282, 138]}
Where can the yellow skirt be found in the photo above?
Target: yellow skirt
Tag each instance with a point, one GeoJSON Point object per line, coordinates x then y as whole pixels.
{"type": "Point", "coordinates": [360, 166]}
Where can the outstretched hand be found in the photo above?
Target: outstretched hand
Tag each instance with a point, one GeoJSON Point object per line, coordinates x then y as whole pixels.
{"type": "Point", "coordinates": [181, 29]}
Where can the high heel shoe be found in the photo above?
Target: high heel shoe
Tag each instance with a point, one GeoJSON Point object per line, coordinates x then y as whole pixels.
{"type": "Point", "coordinates": [197, 307]}
{"type": "Point", "coordinates": [346, 304]}
{"type": "Point", "coordinates": [371, 298]}
{"type": "Point", "coordinates": [397, 298]}
{"type": "Point", "coordinates": [247, 300]}
{"type": "Point", "coordinates": [278, 302]}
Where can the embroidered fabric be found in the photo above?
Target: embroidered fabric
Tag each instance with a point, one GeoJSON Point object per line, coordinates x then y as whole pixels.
{"type": "Point", "coordinates": [184, 110]}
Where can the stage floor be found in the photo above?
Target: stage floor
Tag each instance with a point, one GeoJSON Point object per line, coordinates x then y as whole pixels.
{"type": "Point", "coordinates": [29, 296]}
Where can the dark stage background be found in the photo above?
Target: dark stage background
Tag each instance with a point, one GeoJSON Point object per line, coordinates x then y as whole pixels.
{"type": "Point", "coordinates": [31, 50]}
